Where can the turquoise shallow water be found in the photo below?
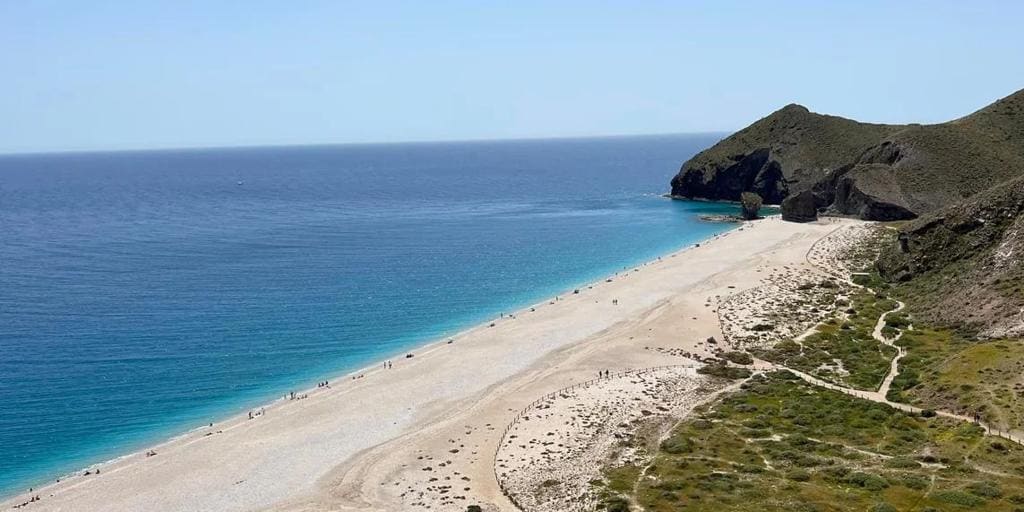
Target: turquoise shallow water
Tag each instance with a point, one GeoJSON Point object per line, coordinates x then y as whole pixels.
{"type": "Point", "coordinates": [145, 293]}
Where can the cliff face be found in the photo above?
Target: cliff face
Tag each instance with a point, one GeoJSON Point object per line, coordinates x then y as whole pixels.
{"type": "Point", "coordinates": [872, 171]}
{"type": "Point", "coordinates": [787, 152]}
{"type": "Point", "coordinates": [963, 264]}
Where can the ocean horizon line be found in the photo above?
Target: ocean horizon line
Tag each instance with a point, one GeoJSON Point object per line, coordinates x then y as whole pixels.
{"type": "Point", "coordinates": [241, 275]}
{"type": "Point", "coordinates": [314, 145]}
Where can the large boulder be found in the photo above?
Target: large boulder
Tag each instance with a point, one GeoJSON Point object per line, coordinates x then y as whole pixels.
{"type": "Point", "coordinates": [750, 205]}
{"type": "Point", "coordinates": [800, 208]}
{"type": "Point", "coordinates": [870, 191]}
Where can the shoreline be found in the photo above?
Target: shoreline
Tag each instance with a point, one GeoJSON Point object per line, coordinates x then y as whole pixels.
{"type": "Point", "coordinates": [418, 348]}
{"type": "Point", "coordinates": [674, 197]}
{"type": "Point", "coordinates": [423, 352]}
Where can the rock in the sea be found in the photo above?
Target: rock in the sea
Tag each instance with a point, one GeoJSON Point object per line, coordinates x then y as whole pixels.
{"type": "Point", "coordinates": [800, 208]}
{"type": "Point", "coordinates": [732, 219]}
{"type": "Point", "coordinates": [750, 204]}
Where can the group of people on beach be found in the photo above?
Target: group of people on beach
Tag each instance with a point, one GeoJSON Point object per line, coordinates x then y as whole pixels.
{"type": "Point", "coordinates": [324, 384]}
{"type": "Point", "coordinates": [252, 414]}
{"type": "Point", "coordinates": [387, 365]}
{"type": "Point", "coordinates": [603, 374]}
{"type": "Point", "coordinates": [31, 500]}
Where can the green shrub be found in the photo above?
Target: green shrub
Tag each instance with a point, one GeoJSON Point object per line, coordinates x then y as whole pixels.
{"type": "Point", "coordinates": [958, 498]}
{"type": "Point", "coordinates": [738, 357]}
{"type": "Point", "coordinates": [670, 485]}
{"type": "Point", "coordinates": [677, 444]}
{"type": "Point", "coordinates": [746, 408]}
{"type": "Point", "coordinates": [798, 440]}
{"type": "Point", "coordinates": [915, 482]}
{"type": "Point", "coordinates": [616, 504]}
{"type": "Point", "coordinates": [868, 481]}
{"type": "Point", "coordinates": [798, 475]}
{"type": "Point", "coordinates": [836, 473]}
{"type": "Point", "coordinates": [986, 489]}
{"type": "Point", "coordinates": [724, 371]}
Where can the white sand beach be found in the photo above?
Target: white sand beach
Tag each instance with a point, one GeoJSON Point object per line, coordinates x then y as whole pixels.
{"type": "Point", "coordinates": [425, 433]}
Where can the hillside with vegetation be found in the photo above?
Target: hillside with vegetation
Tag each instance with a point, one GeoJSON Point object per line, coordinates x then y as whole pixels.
{"type": "Point", "coordinates": [962, 266]}
{"type": "Point", "coordinates": [902, 390]}
{"type": "Point", "coordinates": [872, 171]}
{"type": "Point", "coordinates": [894, 401]}
{"type": "Point", "coordinates": [781, 444]}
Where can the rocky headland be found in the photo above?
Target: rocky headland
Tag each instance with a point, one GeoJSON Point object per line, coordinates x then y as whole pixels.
{"type": "Point", "coordinates": [870, 171]}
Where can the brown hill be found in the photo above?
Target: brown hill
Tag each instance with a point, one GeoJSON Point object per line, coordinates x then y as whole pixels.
{"type": "Point", "coordinates": [963, 266]}
{"type": "Point", "coordinates": [873, 171]}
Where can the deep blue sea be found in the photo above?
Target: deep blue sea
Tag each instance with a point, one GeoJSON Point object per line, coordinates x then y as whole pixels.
{"type": "Point", "coordinates": [145, 293]}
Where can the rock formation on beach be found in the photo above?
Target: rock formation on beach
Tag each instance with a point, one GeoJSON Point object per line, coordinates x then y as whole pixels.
{"type": "Point", "coordinates": [872, 171]}
{"type": "Point", "coordinates": [799, 207]}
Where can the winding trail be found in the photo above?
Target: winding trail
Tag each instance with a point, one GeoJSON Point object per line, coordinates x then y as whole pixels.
{"type": "Point", "coordinates": [879, 395]}
{"type": "Point", "coordinates": [894, 368]}
{"type": "Point", "coordinates": [759, 366]}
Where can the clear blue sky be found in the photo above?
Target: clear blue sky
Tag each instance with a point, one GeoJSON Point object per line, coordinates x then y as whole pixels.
{"type": "Point", "coordinates": [134, 74]}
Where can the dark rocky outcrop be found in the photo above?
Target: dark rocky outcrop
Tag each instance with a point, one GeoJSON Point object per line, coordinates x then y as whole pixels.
{"type": "Point", "coordinates": [872, 171]}
{"type": "Point", "coordinates": [750, 205]}
{"type": "Point", "coordinates": [751, 172]}
{"type": "Point", "coordinates": [800, 208]}
{"type": "Point", "coordinates": [869, 191]}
